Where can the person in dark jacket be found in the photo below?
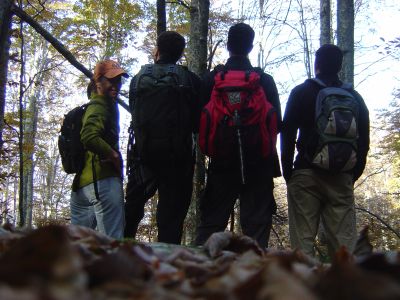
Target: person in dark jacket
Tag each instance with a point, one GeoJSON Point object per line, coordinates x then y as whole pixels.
{"type": "Point", "coordinates": [172, 176]}
{"type": "Point", "coordinates": [224, 186]}
{"type": "Point", "coordinates": [313, 193]}
{"type": "Point", "coordinates": [97, 199]}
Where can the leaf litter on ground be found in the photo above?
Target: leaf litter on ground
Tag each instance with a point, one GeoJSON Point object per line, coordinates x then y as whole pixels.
{"type": "Point", "coordinates": [72, 262]}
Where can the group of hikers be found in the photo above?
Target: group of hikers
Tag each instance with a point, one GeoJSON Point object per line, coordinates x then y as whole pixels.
{"type": "Point", "coordinates": [235, 112]}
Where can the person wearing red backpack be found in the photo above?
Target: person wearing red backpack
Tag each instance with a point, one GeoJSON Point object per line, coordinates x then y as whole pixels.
{"type": "Point", "coordinates": [238, 128]}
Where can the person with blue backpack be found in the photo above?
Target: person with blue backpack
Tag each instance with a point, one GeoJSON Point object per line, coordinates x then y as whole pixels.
{"type": "Point", "coordinates": [238, 129]}
{"type": "Point", "coordinates": [328, 123]}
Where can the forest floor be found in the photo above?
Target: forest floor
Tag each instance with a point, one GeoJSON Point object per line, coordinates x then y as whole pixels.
{"type": "Point", "coordinates": [72, 262]}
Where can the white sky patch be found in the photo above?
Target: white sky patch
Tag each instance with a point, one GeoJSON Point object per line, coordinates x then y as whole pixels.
{"type": "Point", "coordinates": [378, 74]}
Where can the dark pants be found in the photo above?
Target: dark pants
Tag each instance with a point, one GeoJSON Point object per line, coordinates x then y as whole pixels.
{"type": "Point", "coordinates": [174, 185]}
{"type": "Point", "coordinates": [257, 204]}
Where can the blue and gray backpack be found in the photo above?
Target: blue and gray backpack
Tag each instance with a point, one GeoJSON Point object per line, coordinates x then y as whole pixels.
{"type": "Point", "coordinates": [336, 121]}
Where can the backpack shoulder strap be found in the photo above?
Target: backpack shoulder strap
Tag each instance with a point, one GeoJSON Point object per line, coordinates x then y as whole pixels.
{"type": "Point", "coordinates": [219, 68]}
{"type": "Point", "coordinates": [258, 70]}
{"type": "Point", "coordinates": [147, 69]}
{"type": "Point", "coordinates": [347, 86]}
{"type": "Point", "coordinates": [182, 74]}
{"type": "Point", "coordinates": [318, 81]}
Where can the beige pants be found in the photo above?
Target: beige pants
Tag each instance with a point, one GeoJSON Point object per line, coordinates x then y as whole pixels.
{"type": "Point", "coordinates": [315, 195]}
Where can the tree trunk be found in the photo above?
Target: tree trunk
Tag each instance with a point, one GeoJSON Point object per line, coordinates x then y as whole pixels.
{"type": "Point", "coordinates": [161, 17]}
{"type": "Point", "coordinates": [304, 33]}
{"type": "Point", "coordinates": [345, 33]}
{"type": "Point", "coordinates": [30, 130]}
{"type": "Point", "coordinates": [199, 15]}
{"type": "Point", "coordinates": [325, 22]}
{"type": "Point", "coordinates": [197, 62]}
{"type": "Point", "coordinates": [5, 27]}
{"type": "Point", "coordinates": [15, 202]}
{"type": "Point", "coordinates": [21, 196]}
{"type": "Point", "coordinates": [50, 181]}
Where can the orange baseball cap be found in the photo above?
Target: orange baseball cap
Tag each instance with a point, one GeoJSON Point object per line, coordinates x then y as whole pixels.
{"type": "Point", "coordinates": [109, 69]}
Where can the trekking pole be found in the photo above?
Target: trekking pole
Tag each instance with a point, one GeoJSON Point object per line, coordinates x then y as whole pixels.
{"type": "Point", "coordinates": [237, 123]}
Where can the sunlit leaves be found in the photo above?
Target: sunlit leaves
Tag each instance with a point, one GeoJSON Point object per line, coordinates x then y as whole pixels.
{"type": "Point", "coordinates": [99, 29]}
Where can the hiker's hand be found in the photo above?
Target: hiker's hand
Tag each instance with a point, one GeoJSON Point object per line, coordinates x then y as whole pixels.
{"type": "Point", "coordinates": [114, 159]}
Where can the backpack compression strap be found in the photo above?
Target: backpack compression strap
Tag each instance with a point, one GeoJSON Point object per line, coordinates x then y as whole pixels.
{"type": "Point", "coordinates": [346, 86]}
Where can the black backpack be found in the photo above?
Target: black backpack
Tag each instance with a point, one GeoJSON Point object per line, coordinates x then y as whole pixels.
{"type": "Point", "coordinates": [70, 147]}
{"type": "Point", "coordinates": [161, 113]}
{"type": "Point", "coordinates": [336, 122]}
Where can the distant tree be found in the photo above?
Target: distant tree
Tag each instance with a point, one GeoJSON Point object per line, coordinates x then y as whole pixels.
{"type": "Point", "coordinates": [161, 17]}
{"type": "Point", "coordinates": [199, 17]}
{"type": "Point", "coordinates": [325, 22]}
{"type": "Point", "coordinates": [345, 37]}
{"type": "Point", "coordinates": [5, 28]}
{"type": "Point", "coordinates": [197, 62]}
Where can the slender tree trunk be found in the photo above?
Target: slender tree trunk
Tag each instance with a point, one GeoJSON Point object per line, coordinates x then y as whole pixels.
{"type": "Point", "coordinates": [197, 61]}
{"type": "Point", "coordinates": [345, 33]}
{"type": "Point", "coordinates": [325, 21]}
{"type": "Point", "coordinates": [194, 38]}
{"type": "Point", "coordinates": [307, 56]}
{"type": "Point", "coordinates": [5, 27]}
{"type": "Point", "coordinates": [199, 15]}
{"type": "Point", "coordinates": [15, 203]}
{"type": "Point", "coordinates": [4, 202]}
{"type": "Point", "coordinates": [50, 182]}
{"type": "Point", "coordinates": [161, 17]}
{"type": "Point", "coordinates": [30, 131]}
{"type": "Point", "coordinates": [21, 204]}
{"type": "Point", "coordinates": [153, 230]}
{"type": "Point", "coordinates": [29, 146]}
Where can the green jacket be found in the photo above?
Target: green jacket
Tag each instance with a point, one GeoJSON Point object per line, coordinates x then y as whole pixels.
{"type": "Point", "coordinates": [99, 135]}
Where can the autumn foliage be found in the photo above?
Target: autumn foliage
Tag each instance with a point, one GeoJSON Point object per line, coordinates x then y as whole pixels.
{"type": "Point", "coordinates": [70, 262]}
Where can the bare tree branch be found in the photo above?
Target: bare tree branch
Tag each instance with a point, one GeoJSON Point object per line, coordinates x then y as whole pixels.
{"type": "Point", "coordinates": [11, 127]}
{"type": "Point", "coordinates": [57, 45]}
{"type": "Point", "coordinates": [32, 80]}
{"type": "Point", "coordinates": [180, 2]}
{"type": "Point", "coordinates": [277, 237]}
{"type": "Point", "coordinates": [380, 219]}
{"type": "Point", "coordinates": [210, 58]}
{"type": "Point", "coordinates": [370, 175]}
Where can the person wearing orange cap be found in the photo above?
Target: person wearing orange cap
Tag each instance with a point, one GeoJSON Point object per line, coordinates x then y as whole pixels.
{"type": "Point", "coordinates": [97, 199]}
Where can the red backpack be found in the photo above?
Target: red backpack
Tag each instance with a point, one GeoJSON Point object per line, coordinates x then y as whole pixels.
{"type": "Point", "coordinates": [238, 121]}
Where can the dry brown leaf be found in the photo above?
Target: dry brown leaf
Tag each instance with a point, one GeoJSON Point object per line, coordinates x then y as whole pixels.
{"type": "Point", "coordinates": [363, 245]}
{"type": "Point", "coordinates": [220, 241]}
{"type": "Point", "coordinates": [345, 280]}
{"type": "Point", "coordinates": [279, 284]}
{"type": "Point", "coordinates": [123, 264]}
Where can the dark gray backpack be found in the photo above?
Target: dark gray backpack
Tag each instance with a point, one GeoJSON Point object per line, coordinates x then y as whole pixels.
{"type": "Point", "coordinates": [162, 113]}
{"type": "Point", "coordinates": [336, 122]}
{"type": "Point", "coordinates": [70, 147]}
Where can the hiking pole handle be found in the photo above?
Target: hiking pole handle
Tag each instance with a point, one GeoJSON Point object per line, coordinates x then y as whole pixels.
{"type": "Point", "coordinates": [236, 121]}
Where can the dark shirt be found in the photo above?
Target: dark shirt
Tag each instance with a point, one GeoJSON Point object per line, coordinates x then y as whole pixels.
{"type": "Point", "coordinates": [269, 86]}
{"type": "Point", "coordinates": [300, 115]}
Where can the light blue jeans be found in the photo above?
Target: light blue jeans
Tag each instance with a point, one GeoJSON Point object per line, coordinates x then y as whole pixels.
{"type": "Point", "coordinates": [106, 213]}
